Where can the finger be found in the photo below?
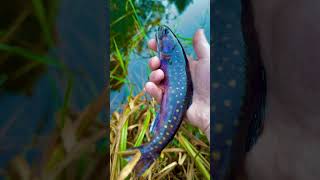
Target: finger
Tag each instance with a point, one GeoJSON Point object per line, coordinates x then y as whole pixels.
{"type": "Point", "coordinates": [154, 63]}
{"type": "Point", "coordinates": [152, 44]}
{"type": "Point", "coordinates": [201, 45]}
{"type": "Point", "coordinates": [156, 76]}
{"type": "Point", "coordinates": [154, 91]}
{"type": "Point", "coordinates": [191, 60]}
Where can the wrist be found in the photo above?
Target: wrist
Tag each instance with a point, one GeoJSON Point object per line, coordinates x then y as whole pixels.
{"type": "Point", "coordinates": [207, 132]}
{"type": "Point", "coordinates": [204, 118]}
{"type": "Point", "coordinates": [198, 115]}
{"type": "Point", "coordinates": [206, 124]}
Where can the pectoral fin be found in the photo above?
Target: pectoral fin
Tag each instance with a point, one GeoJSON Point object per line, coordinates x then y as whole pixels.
{"type": "Point", "coordinates": [154, 128]}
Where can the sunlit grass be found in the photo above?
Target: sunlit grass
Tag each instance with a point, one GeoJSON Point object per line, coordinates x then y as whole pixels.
{"type": "Point", "coordinates": [121, 18]}
{"type": "Point", "coordinates": [119, 56]}
{"type": "Point", "coordinates": [144, 129]}
{"type": "Point", "coordinates": [187, 156]}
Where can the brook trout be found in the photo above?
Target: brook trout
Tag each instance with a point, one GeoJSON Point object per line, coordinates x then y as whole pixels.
{"type": "Point", "coordinates": [177, 95]}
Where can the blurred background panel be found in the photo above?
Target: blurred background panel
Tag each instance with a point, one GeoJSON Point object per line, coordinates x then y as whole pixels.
{"type": "Point", "coordinates": [52, 89]}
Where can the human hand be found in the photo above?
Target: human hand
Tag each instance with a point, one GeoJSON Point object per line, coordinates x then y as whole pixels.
{"type": "Point", "coordinates": [198, 114]}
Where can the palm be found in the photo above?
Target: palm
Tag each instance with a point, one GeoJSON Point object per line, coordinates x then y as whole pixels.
{"type": "Point", "coordinates": [200, 73]}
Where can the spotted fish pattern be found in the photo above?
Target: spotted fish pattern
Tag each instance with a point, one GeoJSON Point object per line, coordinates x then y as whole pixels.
{"type": "Point", "coordinates": [177, 95]}
{"type": "Point", "coordinates": [238, 88]}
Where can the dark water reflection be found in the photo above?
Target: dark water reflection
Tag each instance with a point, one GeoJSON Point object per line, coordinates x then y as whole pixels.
{"type": "Point", "coordinates": [80, 27]}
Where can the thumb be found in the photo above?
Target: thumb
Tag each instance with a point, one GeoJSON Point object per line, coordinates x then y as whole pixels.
{"type": "Point", "coordinates": [201, 45]}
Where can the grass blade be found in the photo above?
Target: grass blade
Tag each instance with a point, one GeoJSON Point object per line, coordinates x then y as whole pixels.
{"type": "Point", "coordinates": [40, 13]}
{"type": "Point", "coordinates": [66, 102]}
{"type": "Point", "coordinates": [31, 56]}
{"type": "Point", "coordinates": [144, 129]}
{"type": "Point", "coordinates": [190, 149]}
{"type": "Point", "coordinates": [123, 141]}
{"type": "Point", "coordinates": [120, 57]}
{"type": "Point", "coordinates": [121, 18]}
{"type": "Point", "coordinates": [129, 167]}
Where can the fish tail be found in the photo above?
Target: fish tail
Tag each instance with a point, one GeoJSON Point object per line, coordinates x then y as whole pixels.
{"type": "Point", "coordinates": [146, 160]}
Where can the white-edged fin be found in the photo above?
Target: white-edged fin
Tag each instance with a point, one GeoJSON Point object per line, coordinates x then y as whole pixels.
{"type": "Point", "coordinates": [153, 128]}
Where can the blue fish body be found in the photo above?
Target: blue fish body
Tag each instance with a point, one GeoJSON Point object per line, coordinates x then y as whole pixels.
{"type": "Point", "coordinates": [177, 95]}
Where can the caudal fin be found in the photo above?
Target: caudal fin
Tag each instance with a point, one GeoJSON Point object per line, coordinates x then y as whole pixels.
{"type": "Point", "coordinates": [145, 161]}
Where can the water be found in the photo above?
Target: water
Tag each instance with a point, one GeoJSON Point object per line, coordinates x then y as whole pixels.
{"type": "Point", "coordinates": [184, 22]}
{"type": "Point", "coordinates": [80, 27]}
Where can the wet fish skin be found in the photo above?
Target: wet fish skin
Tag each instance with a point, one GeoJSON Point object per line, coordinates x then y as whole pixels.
{"type": "Point", "coordinates": [177, 95]}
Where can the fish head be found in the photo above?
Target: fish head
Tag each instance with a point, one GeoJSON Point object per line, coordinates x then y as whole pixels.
{"type": "Point", "coordinates": [166, 41]}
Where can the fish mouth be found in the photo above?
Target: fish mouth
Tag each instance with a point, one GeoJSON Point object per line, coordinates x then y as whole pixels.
{"type": "Point", "coordinates": [159, 36]}
{"type": "Point", "coordinates": [163, 31]}
{"type": "Point", "coordinates": [165, 40]}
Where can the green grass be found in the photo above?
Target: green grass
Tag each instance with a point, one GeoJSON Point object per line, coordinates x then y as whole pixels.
{"type": "Point", "coordinates": [136, 17]}
{"type": "Point", "coordinates": [120, 57]}
{"type": "Point", "coordinates": [144, 129]}
{"type": "Point", "coordinates": [185, 40]}
{"type": "Point", "coordinates": [42, 18]}
{"type": "Point", "coordinates": [123, 140]}
{"type": "Point", "coordinates": [66, 102]}
{"type": "Point", "coordinates": [23, 70]}
{"type": "Point", "coordinates": [201, 162]}
{"type": "Point", "coordinates": [28, 55]}
{"type": "Point", "coordinates": [121, 18]}
{"type": "Point", "coordinates": [120, 79]}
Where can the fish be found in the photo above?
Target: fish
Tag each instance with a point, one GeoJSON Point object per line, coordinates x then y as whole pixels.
{"type": "Point", "coordinates": [177, 95]}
